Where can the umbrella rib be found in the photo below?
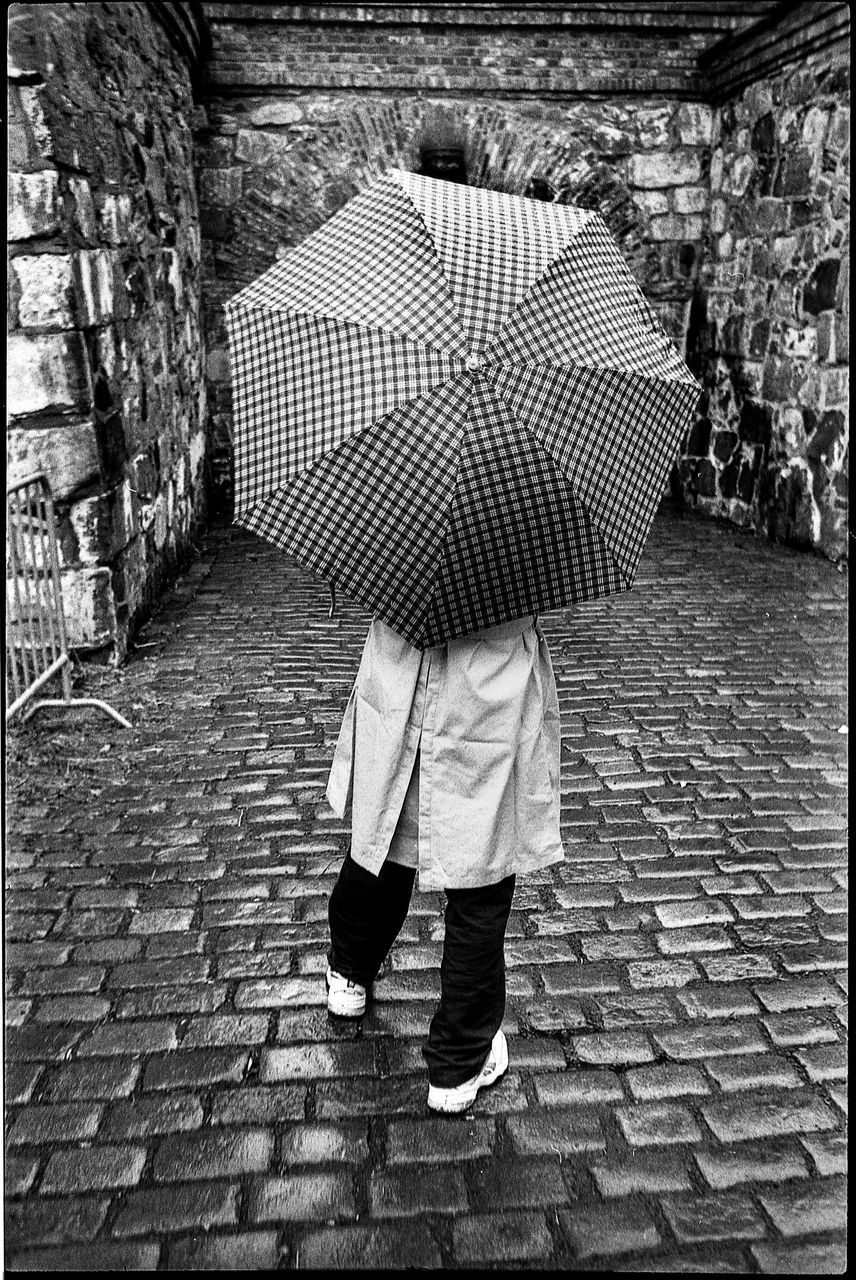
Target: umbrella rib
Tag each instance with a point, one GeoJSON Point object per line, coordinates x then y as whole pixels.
{"type": "Point", "coordinates": [442, 267]}
{"type": "Point", "coordinates": [678, 379]}
{"type": "Point", "coordinates": [442, 541]}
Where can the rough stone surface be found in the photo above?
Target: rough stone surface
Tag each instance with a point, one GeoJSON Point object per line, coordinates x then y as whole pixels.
{"type": "Point", "coordinates": [104, 296]}
{"type": "Point", "coordinates": [769, 327]}
{"type": "Point", "coordinates": [184, 1131]}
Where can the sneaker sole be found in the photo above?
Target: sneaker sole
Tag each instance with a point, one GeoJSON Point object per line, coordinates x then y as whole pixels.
{"type": "Point", "coordinates": [343, 1010]}
{"type": "Point", "coordinates": [341, 1007]}
{"type": "Point", "coordinates": [459, 1107]}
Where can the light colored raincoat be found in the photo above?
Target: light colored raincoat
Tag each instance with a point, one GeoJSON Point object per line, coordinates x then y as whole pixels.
{"type": "Point", "coordinates": [482, 713]}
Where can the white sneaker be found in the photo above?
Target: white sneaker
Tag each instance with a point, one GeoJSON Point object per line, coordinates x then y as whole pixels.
{"type": "Point", "coordinates": [462, 1096]}
{"type": "Point", "coordinates": [345, 999]}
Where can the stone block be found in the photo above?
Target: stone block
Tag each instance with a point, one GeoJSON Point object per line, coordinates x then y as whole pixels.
{"type": "Point", "coordinates": [691, 199]}
{"type": "Point", "coordinates": [90, 612]}
{"type": "Point", "coordinates": [220, 187]}
{"type": "Point", "coordinates": [34, 204]}
{"type": "Point", "coordinates": [695, 124]}
{"type": "Point", "coordinates": [46, 371]}
{"type": "Point", "coordinates": [665, 169]}
{"type": "Point", "coordinates": [653, 125]}
{"type": "Point", "coordinates": [826, 337]}
{"type": "Point", "coordinates": [95, 275]}
{"type": "Point", "coordinates": [276, 113]}
{"type": "Point", "coordinates": [45, 288]}
{"type": "Point", "coordinates": [653, 202]}
{"type": "Point", "coordinates": [115, 218]}
{"type": "Point", "coordinates": [105, 524]}
{"type": "Point", "coordinates": [68, 455]}
{"type": "Point", "coordinates": [814, 127]}
{"type": "Point", "coordinates": [676, 227]}
{"type": "Point", "coordinates": [737, 175]}
{"type": "Point", "coordinates": [84, 219]}
{"type": "Point", "coordinates": [259, 149]}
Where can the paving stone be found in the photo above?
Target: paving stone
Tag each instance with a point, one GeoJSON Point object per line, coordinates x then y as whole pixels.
{"type": "Point", "coordinates": [639, 1009]}
{"type": "Point", "coordinates": [19, 1173]}
{"type": "Point", "coordinates": [642, 1172]}
{"type": "Point", "coordinates": [657, 1125]}
{"type": "Point", "coordinates": [69, 1121]}
{"type": "Point", "coordinates": [247, 1251]}
{"type": "Point", "coordinates": [807, 1208]}
{"type": "Point", "coordinates": [826, 1062]}
{"type": "Point", "coordinates": [788, 1029]}
{"type": "Point", "coordinates": [602, 1231]}
{"type": "Point", "coordinates": [128, 1038]}
{"type": "Point", "coordinates": [556, 1132]}
{"type": "Point", "coordinates": [578, 1086]}
{"type": "Point", "coordinates": [662, 973]}
{"type": "Point", "coordinates": [95, 1169]}
{"type": "Point", "coordinates": [373, 1248]}
{"type": "Point", "coordinates": [828, 1151]}
{"type": "Point", "coordinates": [768, 1115]}
{"type": "Point", "coordinates": [613, 1048]}
{"type": "Point", "coordinates": [144, 1117]}
{"type": "Point", "coordinates": [195, 1069]}
{"type": "Point", "coordinates": [415, 1142]}
{"type": "Point", "coordinates": [709, 1001]}
{"type": "Point", "coordinates": [674, 915]}
{"type": "Point", "coordinates": [555, 1014]}
{"type": "Point", "coordinates": [823, 1258]}
{"type": "Point", "coordinates": [723, 1216]}
{"type": "Point", "coordinates": [501, 1237]}
{"type": "Point", "coordinates": [105, 1256]}
{"type": "Point", "coordinates": [737, 968]}
{"type": "Point", "coordinates": [324, 1144]}
{"type": "Point", "coordinates": [184, 1207]}
{"type": "Point", "coordinates": [797, 993]}
{"type": "Point", "coordinates": [59, 1221]}
{"type": "Point", "coordinates": [114, 1078]}
{"type": "Point", "coordinates": [753, 1071]}
{"type": "Point", "coordinates": [303, 1197]}
{"type": "Point", "coordinates": [219, 1154]}
{"type": "Point", "coordinates": [409, 1193]}
{"type": "Point", "coordinates": [750, 1163]}
{"type": "Point", "coordinates": [261, 1105]}
{"type": "Point", "coordinates": [315, 1062]}
{"type": "Point", "coordinates": [665, 1080]}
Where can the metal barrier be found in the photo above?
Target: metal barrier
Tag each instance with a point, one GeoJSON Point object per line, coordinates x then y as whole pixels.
{"type": "Point", "coordinates": [36, 648]}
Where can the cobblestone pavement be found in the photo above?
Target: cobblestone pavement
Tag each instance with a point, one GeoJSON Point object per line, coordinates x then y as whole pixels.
{"type": "Point", "coordinates": [177, 1096]}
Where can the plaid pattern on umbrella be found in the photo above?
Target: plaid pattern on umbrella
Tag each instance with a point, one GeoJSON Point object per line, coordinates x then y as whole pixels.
{"type": "Point", "coordinates": [457, 404]}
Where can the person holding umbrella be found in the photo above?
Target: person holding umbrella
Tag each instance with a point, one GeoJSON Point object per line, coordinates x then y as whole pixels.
{"type": "Point", "coordinates": [448, 759]}
{"type": "Point", "coordinates": [458, 406]}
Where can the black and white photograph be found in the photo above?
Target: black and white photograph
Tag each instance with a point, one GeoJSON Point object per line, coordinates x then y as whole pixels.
{"type": "Point", "coordinates": [426, 699]}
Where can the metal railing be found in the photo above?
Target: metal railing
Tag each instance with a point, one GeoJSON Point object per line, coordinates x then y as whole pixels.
{"type": "Point", "coordinates": [36, 647]}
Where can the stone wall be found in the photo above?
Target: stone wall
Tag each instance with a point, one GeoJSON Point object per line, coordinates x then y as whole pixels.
{"type": "Point", "coordinates": [770, 320]}
{"type": "Point", "coordinates": [106, 389]}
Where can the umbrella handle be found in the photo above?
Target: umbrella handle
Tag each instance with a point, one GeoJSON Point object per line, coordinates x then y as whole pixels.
{"type": "Point", "coordinates": [332, 612]}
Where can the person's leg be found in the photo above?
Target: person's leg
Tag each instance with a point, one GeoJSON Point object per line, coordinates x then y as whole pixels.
{"type": "Point", "coordinates": [472, 977]}
{"type": "Point", "coordinates": [366, 913]}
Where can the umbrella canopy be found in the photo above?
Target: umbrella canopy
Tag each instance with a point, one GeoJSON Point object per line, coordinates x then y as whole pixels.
{"type": "Point", "coordinates": [457, 404]}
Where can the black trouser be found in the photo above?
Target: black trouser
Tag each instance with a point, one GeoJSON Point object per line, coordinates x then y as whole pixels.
{"type": "Point", "coordinates": [366, 914]}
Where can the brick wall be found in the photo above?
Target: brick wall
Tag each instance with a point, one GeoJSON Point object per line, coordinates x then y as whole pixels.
{"type": "Point", "coordinates": [770, 320]}
{"type": "Point", "coordinates": [106, 389]}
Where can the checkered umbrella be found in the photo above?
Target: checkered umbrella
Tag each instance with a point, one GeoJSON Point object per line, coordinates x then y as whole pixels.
{"type": "Point", "coordinates": [456, 404]}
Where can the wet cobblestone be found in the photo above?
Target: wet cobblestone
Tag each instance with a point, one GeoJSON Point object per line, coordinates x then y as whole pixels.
{"type": "Point", "coordinates": [177, 1096]}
